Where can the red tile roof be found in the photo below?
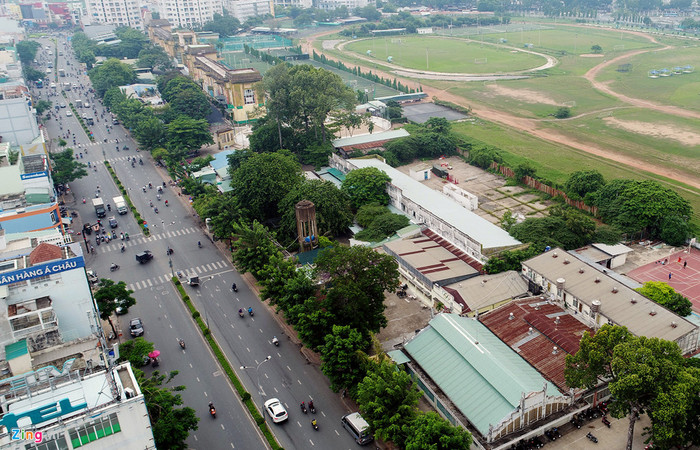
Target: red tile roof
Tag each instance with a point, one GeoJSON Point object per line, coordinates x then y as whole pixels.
{"type": "Point", "coordinates": [45, 252]}
{"type": "Point", "coordinates": [551, 327]}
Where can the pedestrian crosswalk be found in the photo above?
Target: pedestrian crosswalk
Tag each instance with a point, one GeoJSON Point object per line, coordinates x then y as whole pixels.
{"type": "Point", "coordinates": [205, 269]}
{"type": "Point", "coordinates": [115, 245]}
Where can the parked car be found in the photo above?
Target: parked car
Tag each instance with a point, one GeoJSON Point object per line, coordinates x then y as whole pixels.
{"type": "Point", "coordinates": [276, 410]}
{"type": "Point", "coordinates": [122, 308]}
{"type": "Point", "coordinates": [68, 113]}
{"type": "Point", "coordinates": [136, 327]}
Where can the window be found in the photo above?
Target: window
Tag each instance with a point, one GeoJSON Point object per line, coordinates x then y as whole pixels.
{"type": "Point", "coordinates": [95, 430]}
{"type": "Point", "coordinates": [55, 443]}
{"type": "Point", "coordinates": [249, 96]}
{"type": "Point", "coordinates": [18, 284]}
{"type": "Point", "coordinates": [38, 280]}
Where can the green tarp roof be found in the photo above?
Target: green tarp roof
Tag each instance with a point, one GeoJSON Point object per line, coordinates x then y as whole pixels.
{"type": "Point", "coordinates": [16, 349]}
{"type": "Point", "coordinates": [480, 374]}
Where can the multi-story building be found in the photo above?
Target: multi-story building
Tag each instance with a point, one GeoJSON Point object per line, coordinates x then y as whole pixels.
{"type": "Point", "coordinates": [233, 88]}
{"type": "Point", "coordinates": [188, 13]}
{"type": "Point", "coordinates": [350, 4]}
{"type": "Point", "coordinates": [126, 13]}
{"type": "Point", "coordinates": [298, 3]}
{"type": "Point", "coordinates": [244, 9]}
{"type": "Point", "coordinates": [596, 295]}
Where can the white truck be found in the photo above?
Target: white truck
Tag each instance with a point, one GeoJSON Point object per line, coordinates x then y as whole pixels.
{"type": "Point", "coordinates": [120, 204]}
{"type": "Point", "coordinates": [99, 205]}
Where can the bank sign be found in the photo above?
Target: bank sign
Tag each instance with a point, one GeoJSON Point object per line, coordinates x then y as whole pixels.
{"type": "Point", "coordinates": [41, 270]}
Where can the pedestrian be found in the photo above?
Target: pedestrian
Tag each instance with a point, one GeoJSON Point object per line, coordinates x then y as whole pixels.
{"type": "Point", "coordinates": [679, 260]}
{"type": "Point", "coordinates": [685, 263]}
{"type": "Point", "coordinates": [669, 275]}
{"type": "Point", "coordinates": [92, 249]}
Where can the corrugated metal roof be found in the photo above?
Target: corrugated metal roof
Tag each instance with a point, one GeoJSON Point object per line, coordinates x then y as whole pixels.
{"type": "Point", "coordinates": [481, 230]}
{"type": "Point", "coordinates": [398, 357]}
{"type": "Point", "coordinates": [481, 375]}
{"type": "Point", "coordinates": [587, 283]}
{"type": "Point", "coordinates": [613, 250]}
{"type": "Point", "coordinates": [367, 138]}
{"type": "Point", "coordinates": [486, 290]}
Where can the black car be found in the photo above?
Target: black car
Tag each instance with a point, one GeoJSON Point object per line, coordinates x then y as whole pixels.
{"type": "Point", "coordinates": [113, 222]}
{"type": "Point", "coordinates": [144, 256]}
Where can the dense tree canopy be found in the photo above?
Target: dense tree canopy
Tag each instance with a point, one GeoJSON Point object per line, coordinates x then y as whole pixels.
{"type": "Point", "coordinates": [582, 182]}
{"type": "Point", "coordinates": [186, 135]}
{"type": "Point", "coordinates": [110, 74]}
{"type": "Point", "coordinates": [65, 168]}
{"type": "Point", "coordinates": [252, 246]}
{"type": "Point", "coordinates": [184, 97]}
{"type": "Point", "coordinates": [665, 295]}
{"type": "Point", "coordinates": [365, 186]}
{"type": "Point", "coordinates": [564, 227]}
{"type": "Point", "coordinates": [263, 180]}
{"type": "Point", "coordinates": [341, 357]}
{"type": "Point", "coordinates": [333, 212]}
{"type": "Point", "coordinates": [429, 431]}
{"type": "Point", "coordinates": [224, 25]}
{"type": "Point", "coordinates": [26, 50]}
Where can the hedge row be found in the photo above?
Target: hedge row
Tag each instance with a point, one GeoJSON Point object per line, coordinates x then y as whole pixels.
{"type": "Point", "coordinates": [245, 395]}
{"type": "Point", "coordinates": [122, 189]}
{"type": "Point", "coordinates": [82, 122]}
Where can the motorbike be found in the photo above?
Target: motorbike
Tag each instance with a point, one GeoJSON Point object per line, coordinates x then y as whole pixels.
{"type": "Point", "coordinates": [155, 210]}
{"type": "Point", "coordinates": [250, 311]}
{"type": "Point", "coordinates": [240, 313]}
{"type": "Point", "coordinates": [126, 236]}
{"type": "Point", "coordinates": [314, 424]}
{"type": "Point", "coordinates": [143, 188]}
{"type": "Point", "coordinates": [303, 407]}
{"type": "Point", "coordinates": [140, 162]}
{"type": "Point", "coordinates": [155, 362]}
{"type": "Point", "coordinates": [312, 408]}
{"type": "Point", "coordinates": [606, 421]}
{"type": "Point", "coordinates": [123, 248]}
{"type": "Point", "coordinates": [275, 341]}
{"type": "Point", "coordinates": [212, 410]}
{"type": "Point", "coordinates": [182, 343]}
{"type": "Point", "coordinates": [166, 203]}
{"type": "Point", "coordinates": [592, 438]}
{"type": "Point", "coordinates": [234, 288]}
{"type": "Point", "coordinates": [114, 267]}
{"type": "Point", "coordinates": [199, 244]}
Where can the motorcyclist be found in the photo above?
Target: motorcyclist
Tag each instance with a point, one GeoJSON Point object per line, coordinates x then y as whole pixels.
{"type": "Point", "coordinates": [234, 287]}
{"type": "Point", "coordinates": [199, 244]}
{"type": "Point", "coordinates": [311, 402]}
{"type": "Point", "coordinates": [250, 310]}
{"type": "Point", "coordinates": [240, 312]}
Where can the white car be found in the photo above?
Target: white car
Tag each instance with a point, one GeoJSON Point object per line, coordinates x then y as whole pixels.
{"type": "Point", "coordinates": [276, 410]}
{"type": "Point", "coordinates": [68, 113]}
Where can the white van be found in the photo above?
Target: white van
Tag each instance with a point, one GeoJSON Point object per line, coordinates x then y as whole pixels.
{"type": "Point", "coordinates": [357, 427]}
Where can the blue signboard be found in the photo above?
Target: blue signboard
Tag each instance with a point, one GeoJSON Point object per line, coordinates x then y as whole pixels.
{"type": "Point", "coordinates": [29, 176]}
{"type": "Point", "coordinates": [41, 270]}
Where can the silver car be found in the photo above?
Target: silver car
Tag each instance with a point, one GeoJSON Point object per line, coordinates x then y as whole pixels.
{"type": "Point", "coordinates": [136, 327]}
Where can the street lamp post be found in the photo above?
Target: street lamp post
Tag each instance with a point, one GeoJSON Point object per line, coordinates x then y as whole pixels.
{"type": "Point", "coordinates": [257, 373]}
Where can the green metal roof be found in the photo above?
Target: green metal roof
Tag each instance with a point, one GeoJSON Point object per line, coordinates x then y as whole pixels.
{"type": "Point", "coordinates": [398, 357]}
{"type": "Point", "coordinates": [16, 349]}
{"type": "Point", "coordinates": [480, 374]}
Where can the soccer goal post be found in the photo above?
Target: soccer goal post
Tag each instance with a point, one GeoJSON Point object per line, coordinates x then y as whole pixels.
{"type": "Point", "coordinates": [619, 47]}
{"type": "Point", "coordinates": [480, 60]}
{"type": "Point", "coordinates": [396, 41]}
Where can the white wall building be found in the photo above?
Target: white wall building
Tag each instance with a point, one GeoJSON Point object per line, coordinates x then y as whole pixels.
{"type": "Point", "coordinates": [298, 3]}
{"type": "Point", "coordinates": [125, 13]}
{"type": "Point", "coordinates": [188, 13]}
{"type": "Point", "coordinates": [350, 4]}
{"type": "Point", "coordinates": [243, 9]}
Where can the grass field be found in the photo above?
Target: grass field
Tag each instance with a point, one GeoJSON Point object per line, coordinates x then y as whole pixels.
{"type": "Point", "coordinates": [446, 54]}
{"type": "Point", "coordinates": [678, 90]}
{"type": "Point", "coordinates": [556, 39]}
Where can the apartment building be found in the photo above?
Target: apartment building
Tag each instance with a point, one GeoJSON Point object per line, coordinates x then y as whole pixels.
{"type": "Point", "coordinates": [350, 4]}
{"type": "Point", "coordinates": [188, 13]}
{"type": "Point", "coordinates": [244, 9]}
{"type": "Point", "coordinates": [126, 13]}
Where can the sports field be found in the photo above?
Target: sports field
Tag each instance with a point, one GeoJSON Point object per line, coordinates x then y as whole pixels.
{"type": "Point", "coordinates": [444, 54]}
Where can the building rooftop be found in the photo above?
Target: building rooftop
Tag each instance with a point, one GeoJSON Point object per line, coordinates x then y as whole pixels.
{"type": "Point", "coordinates": [488, 235]}
{"type": "Point", "coordinates": [373, 138]}
{"type": "Point", "coordinates": [613, 250]}
{"type": "Point", "coordinates": [533, 327]}
{"type": "Point", "coordinates": [431, 260]}
{"type": "Point", "coordinates": [488, 290]}
{"type": "Point", "coordinates": [481, 375]}
{"type": "Point", "coordinates": [618, 302]}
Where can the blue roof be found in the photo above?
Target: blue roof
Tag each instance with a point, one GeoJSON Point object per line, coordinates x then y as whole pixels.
{"type": "Point", "coordinates": [221, 159]}
{"type": "Point", "coordinates": [481, 375]}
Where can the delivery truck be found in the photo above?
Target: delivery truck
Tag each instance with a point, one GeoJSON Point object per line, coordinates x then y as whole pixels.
{"type": "Point", "coordinates": [120, 204]}
{"type": "Point", "coordinates": [99, 205]}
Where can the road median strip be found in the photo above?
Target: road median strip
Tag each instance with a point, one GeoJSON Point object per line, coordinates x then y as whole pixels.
{"type": "Point", "coordinates": [142, 223]}
{"type": "Point", "coordinates": [226, 366]}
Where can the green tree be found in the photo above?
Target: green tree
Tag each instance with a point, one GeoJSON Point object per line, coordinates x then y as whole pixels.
{"type": "Point", "coordinates": [151, 133]}
{"type": "Point", "coordinates": [333, 212]}
{"type": "Point", "coordinates": [65, 168]}
{"type": "Point", "coordinates": [225, 25]}
{"type": "Point", "coordinates": [674, 230]}
{"type": "Point", "coordinates": [154, 57]}
{"type": "Point", "coordinates": [41, 106]}
{"type": "Point", "coordinates": [366, 185]}
{"type": "Point", "coordinates": [109, 74]}
{"type": "Point", "coordinates": [429, 431]}
{"type": "Point", "coordinates": [666, 296]}
{"type": "Point", "coordinates": [582, 182]}
{"type": "Point", "coordinates": [511, 259]}
{"type": "Point", "coordinates": [186, 135]}
{"type": "Point", "coordinates": [564, 227]}
{"type": "Point", "coordinates": [312, 322]}
{"type": "Point", "coordinates": [135, 351]}
{"type": "Point", "coordinates": [222, 209]}
{"type": "Point", "coordinates": [111, 295]}
{"type": "Point", "coordinates": [26, 50]}
{"type": "Point", "coordinates": [342, 358]}
{"type": "Point", "coordinates": [171, 425]}
{"type": "Point", "coordinates": [597, 49]}
{"type": "Point", "coordinates": [263, 180]}
{"type": "Point", "coordinates": [594, 357]}
{"type": "Point", "coordinates": [563, 112]}
{"type": "Point", "coordinates": [640, 206]}
{"type": "Point", "coordinates": [31, 74]}
{"type": "Point", "coordinates": [438, 125]}
{"type": "Point", "coordinates": [387, 398]}
{"type": "Point", "coordinates": [253, 247]}
{"type": "Point", "coordinates": [356, 279]}
{"type": "Point", "coordinates": [383, 226]}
